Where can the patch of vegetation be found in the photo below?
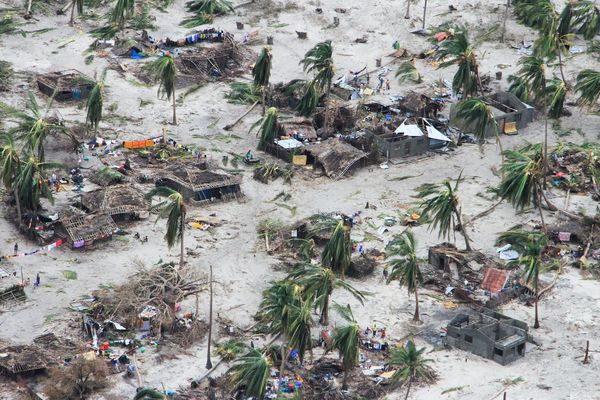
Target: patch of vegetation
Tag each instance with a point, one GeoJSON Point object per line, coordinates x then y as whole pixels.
{"type": "Point", "coordinates": [6, 76]}
{"type": "Point", "coordinates": [69, 275]}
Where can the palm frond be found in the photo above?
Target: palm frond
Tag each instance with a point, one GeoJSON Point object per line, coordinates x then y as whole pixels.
{"type": "Point", "coordinates": [586, 18]}
{"type": "Point", "coordinates": [338, 250]}
{"type": "Point", "coordinates": [242, 93]}
{"type": "Point", "coordinates": [261, 71]}
{"type": "Point", "coordinates": [251, 372]}
{"type": "Point", "coordinates": [307, 104]}
{"type": "Point", "coordinates": [408, 71]}
{"type": "Point", "coordinates": [411, 365]}
{"type": "Point", "coordinates": [588, 86]}
{"type": "Point", "coordinates": [164, 71]}
{"type": "Point", "coordinates": [556, 93]}
{"type": "Point", "coordinates": [478, 115]}
{"type": "Point", "coordinates": [319, 60]}
{"type": "Point", "coordinates": [268, 129]}
{"type": "Point", "coordinates": [521, 170]}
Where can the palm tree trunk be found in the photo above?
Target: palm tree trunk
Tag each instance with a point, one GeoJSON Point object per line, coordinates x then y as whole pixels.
{"type": "Point", "coordinates": [560, 65]}
{"type": "Point", "coordinates": [182, 249]}
{"type": "Point", "coordinates": [536, 324]}
{"type": "Point", "coordinates": [72, 12]}
{"type": "Point", "coordinates": [463, 229]}
{"type": "Point", "coordinates": [424, 14]}
{"type": "Point", "coordinates": [264, 100]}
{"type": "Point", "coordinates": [500, 145]}
{"type": "Point", "coordinates": [174, 109]}
{"type": "Point", "coordinates": [504, 21]}
{"type": "Point", "coordinates": [539, 204]}
{"type": "Point", "coordinates": [284, 354]}
{"type": "Point", "coordinates": [324, 320]}
{"type": "Point", "coordinates": [416, 317]}
{"type": "Point", "coordinates": [17, 200]}
{"type": "Point", "coordinates": [345, 381]}
{"type": "Point", "coordinates": [545, 139]}
{"type": "Point", "coordinates": [210, 313]}
{"type": "Point", "coordinates": [407, 15]}
{"type": "Point", "coordinates": [408, 388]}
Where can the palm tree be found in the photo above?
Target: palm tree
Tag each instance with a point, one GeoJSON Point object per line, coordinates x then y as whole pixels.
{"type": "Point", "coordinates": [457, 50]}
{"type": "Point", "coordinates": [76, 4]}
{"type": "Point", "coordinates": [35, 127]}
{"type": "Point", "coordinates": [530, 246]}
{"type": "Point", "coordinates": [319, 60]}
{"type": "Point", "coordinates": [533, 71]}
{"type": "Point", "coordinates": [123, 11]}
{"type": "Point", "coordinates": [412, 366]}
{"type": "Point", "coordinates": [441, 203]}
{"type": "Point", "coordinates": [408, 71]}
{"type": "Point", "coordinates": [424, 14]}
{"type": "Point", "coordinates": [277, 309]}
{"type": "Point", "coordinates": [300, 327]}
{"type": "Point", "coordinates": [309, 100]}
{"type": "Point", "coordinates": [94, 104]}
{"type": "Point", "coordinates": [586, 17]}
{"type": "Point", "coordinates": [149, 394]}
{"type": "Point", "coordinates": [32, 182]}
{"type": "Point", "coordinates": [268, 128]}
{"type": "Point", "coordinates": [345, 341]}
{"type": "Point", "coordinates": [407, 14]}
{"type": "Point", "coordinates": [588, 86]}
{"type": "Point", "coordinates": [319, 283]}
{"type": "Point", "coordinates": [251, 373]}
{"type": "Point", "coordinates": [401, 253]}
{"type": "Point", "coordinates": [522, 177]}
{"type": "Point", "coordinates": [338, 250]}
{"type": "Point", "coordinates": [261, 73]}
{"type": "Point", "coordinates": [175, 211]}
{"type": "Point", "coordinates": [478, 115]}
{"type": "Point", "coordinates": [165, 73]}
{"type": "Point", "coordinates": [10, 168]}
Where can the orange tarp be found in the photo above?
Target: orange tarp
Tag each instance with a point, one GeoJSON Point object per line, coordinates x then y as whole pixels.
{"type": "Point", "coordinates": [138, 144]}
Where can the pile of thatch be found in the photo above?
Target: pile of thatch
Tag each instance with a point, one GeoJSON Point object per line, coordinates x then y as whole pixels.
{"type": "Point", "coordinates": [160, 287]}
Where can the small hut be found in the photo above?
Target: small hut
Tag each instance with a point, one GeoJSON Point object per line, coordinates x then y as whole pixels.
{"type": "Point", "coordinates": [84, 230]}
{"type": "Point", "coordinates": [200, 185]}
{"type": "Point", "coordinates": [121, 202]}
{"type": "Point", "coordinates": [22, 359]}
{"type": "Point", "coordinates": [335, 156]}
{"type": "Point", "coordinates": [65, 85]}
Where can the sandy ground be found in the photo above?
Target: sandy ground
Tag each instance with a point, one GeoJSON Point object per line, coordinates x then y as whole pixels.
{"type": "Point", "coordinates": [550, 371]}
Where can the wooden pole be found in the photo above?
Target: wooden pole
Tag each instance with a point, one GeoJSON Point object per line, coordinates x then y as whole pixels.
{"type": "Point", "coordinates": [587, 350]}
{"type": "Point", "coordinates": [210, 312]}
{"type": "Point", "coordinates": [504, 397]}
{"type": "Point", "coordinates": [230, 126]}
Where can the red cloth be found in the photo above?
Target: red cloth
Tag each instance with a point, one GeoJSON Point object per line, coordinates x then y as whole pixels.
{"type": "Point", "coordinates": [441, 36]}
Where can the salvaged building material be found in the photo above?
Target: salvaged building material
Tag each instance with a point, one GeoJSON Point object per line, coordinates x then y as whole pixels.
{"type": "Point", "coordinates": [490, 335]}
{"type": "Point", "coordinates": [511, 114]}
{"type": "Point", "coordinates": [419, 105]}
{"type": "Point", "coordinates": [122, 202]}
{"type": "Point", "coordinates": [68, 85]}
{"type": "Point", "coordinates": [200, 185]}
{"type": "Point", "coordinates": [335, 156]}
{"type": "Point", "coordinates": [85, 230]}
{"type": "Point", "coordinates": [21, 359]}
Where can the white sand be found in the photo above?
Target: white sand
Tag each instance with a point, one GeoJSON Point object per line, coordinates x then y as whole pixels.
{"type": "Point", "coordinates": [568, 313]}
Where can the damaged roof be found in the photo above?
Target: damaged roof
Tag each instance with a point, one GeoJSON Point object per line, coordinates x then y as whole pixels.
{"type": "Point", "coordinates": [198, 179]}
{"type": "Point", "coordinates": [494, 279]}
{"type": "Point", "coordinates": [336, 156]}
{"type": "Point", "coordinates": [117, 199]}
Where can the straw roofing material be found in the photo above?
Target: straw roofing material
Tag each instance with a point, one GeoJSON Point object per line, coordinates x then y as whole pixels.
{"type": "Point", "coordinates": [118, 199]}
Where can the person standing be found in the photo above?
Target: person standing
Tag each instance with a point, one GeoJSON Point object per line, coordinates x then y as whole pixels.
{"type": "Point", "coordinates": [16, 248]}
{"type": "Point", "coordinates": [37, 280]}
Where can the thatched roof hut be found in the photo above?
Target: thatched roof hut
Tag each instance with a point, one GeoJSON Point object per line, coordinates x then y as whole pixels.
{"type": "Point", "coordinates": [335, 156]}
{"type": "Point", "coordinates": [68, 85]}
{"type": "Point", "coordinates": [198, 184]}
{"type": "Point", "coordinates": [84, 230]}
{"type": "Point", "coordinates": [22, 358]}
{"type": "Point", "coordinates": [117, 201]}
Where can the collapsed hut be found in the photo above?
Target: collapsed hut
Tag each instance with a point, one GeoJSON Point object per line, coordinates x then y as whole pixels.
{"type": "Point", "coordinates": [65, 85]}
{"type": "Point", "coordinates": [121, 202]}
{"type": "Point", "coordinates": [200, 185]}
{"type": "Point", "coordinates": [335, 156]}
{"type": "Point", "coordinates": [85, 230]}
{"type": "Point", "coordinates": [419, 105]}
{"type": "Point", "coordinates": [11, 290]}
{"type": "Point", "coordinates": [213, 62]}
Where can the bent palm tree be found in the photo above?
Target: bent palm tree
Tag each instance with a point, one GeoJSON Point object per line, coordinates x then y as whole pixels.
{"type": "Point", "coordinates": [408, 71]}
{"type": "Point", "coordinates": [530, 246]}
{"type": "Point", "coordinates": [441, 203]}
{"type": "Point", "coordinates": [300, 327]}
{"type": "Point", "coordinates": [457, 50]}
{"type": "Point", "coordinates": [175, 211]}
{"type": "Point", "coordinates": [479, 116]}
{"type": "Point", "coordinates": [309, 100]}
{"type": "Point", "coordinates": [319, 60]}
{"type": "Point", "coordinates": [123, 11]}
{"type": "Point", "coordinates": [522, 177]}
{"type": "Point", "coordinates": [268, 128]}
{"type": "Point", "coordinates": [32, 182]}
{"type": "Point", "coordinates": [338, 250]}
{"type": "Point", "coordinates": [401, 252]}
{"type": "Point", "coordinates": [345, 341]}
{"type": "Point", "coordinates": [557, 93]}
{"type": "Point", "coordinates": [251, 373]}
{"type": "Point", "coordinates": [95, 103]}
{"type": "Point", "coordinates": [10, 169]}
{"type": "Point", "coordinates": [35, 127]}
{"type": "Point", "coordinates": [319, 283]}
{"type": "Point", "coordinates": [165, 73]}
{"type": "Point", "coordinates": [261, 73]}
{"type": "Point", "coordinates": [277, 310]}
{"type": "Point", "coordinates": [588, 86]}
{"type": "Point", "coordinates": [412, 366]}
